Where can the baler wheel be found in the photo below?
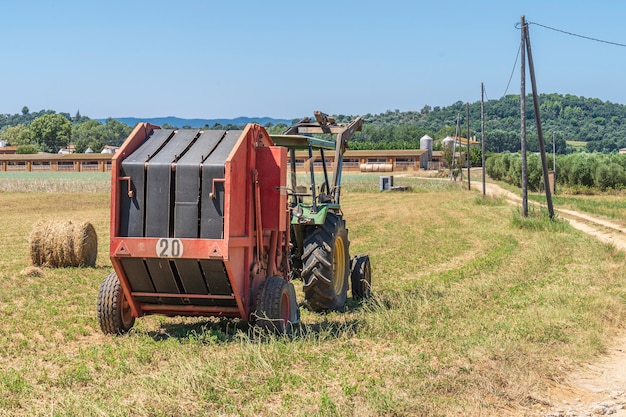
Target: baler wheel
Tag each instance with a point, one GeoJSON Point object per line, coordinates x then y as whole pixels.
{"type": "Point", "coordinates": [114, 315]}
{"type": "Point", "coordinates": [326, 265]}
{"type": "Point", "coordinates": [277, 309]}
{"type": "Point", "coordinates": [361, 277]}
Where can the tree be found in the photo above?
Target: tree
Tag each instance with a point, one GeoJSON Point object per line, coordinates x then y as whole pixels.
{"type": "Point", "coordinates": [16, 135]}
{"type": "Point", "coordinates": [448, 155]}
{"type": "Point", "coordinates": [78, 118]}
{"type": "Point", "coordinates": [27, 149]}
{"type": "Point", "coordinates": [25, 110]}
{"type": "Point", "coordinates": [90, 134]}
{"type": "Point", "coordinates": [476, 158]}
{"type": "Point", "coordinates": [117, 131]}
{"type": "Point", "coordinates": [51, 132]}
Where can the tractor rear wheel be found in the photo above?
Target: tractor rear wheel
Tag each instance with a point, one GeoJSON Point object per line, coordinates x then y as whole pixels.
{"type": "Point", "coordinates": [361, 277]}
{"type": "Point", "coordinates": [326, 264]}
{"type": "Point", "coordinates": [114, 315]}
{"type": "Point", "coordinates": [276, 306]}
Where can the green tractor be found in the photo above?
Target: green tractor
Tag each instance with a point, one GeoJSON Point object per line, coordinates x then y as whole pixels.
{"type": "Point", "coordinates": [320, 246]}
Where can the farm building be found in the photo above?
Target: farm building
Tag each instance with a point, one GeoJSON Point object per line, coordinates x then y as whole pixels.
{"type": "Point", "coordinates": [366, 161]}
{"type": "Point", "coordinates": [354, 160]}
{"type": "Point", "coordinates": [371, 160]}
{"type": "Point", "coordinates": [8, 150]}
{"type": "Point", "coordinates": [56, 162]}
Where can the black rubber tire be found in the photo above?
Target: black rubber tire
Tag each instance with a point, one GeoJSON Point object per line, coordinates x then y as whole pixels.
{"type": "Point", "coordinates": [275, 305]}
{"type": "Point", "coordinates": [361, 277]}
{"type": "Point", "coordinates": [326, 264]}
{"type": "Point", "coordinates": [114, 315]}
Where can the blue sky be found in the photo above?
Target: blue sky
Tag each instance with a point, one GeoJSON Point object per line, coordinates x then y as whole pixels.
{"type": "Point", "coordinates": [284, 59]}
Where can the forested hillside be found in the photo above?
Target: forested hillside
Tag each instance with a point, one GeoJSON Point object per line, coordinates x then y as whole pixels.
{"type": "Point", "coordinates": [602, 125]}
{"type": "Point", "coordinates": [565, 118]}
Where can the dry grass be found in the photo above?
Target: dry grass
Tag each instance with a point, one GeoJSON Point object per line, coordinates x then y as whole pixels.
{"type": "Point", "coordinates": [472, 315]}
{"type": "Point", "coordinates": [55, 182]}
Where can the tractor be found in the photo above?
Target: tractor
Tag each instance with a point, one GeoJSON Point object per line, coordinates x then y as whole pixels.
{"type": "Point", "coordinates": [203, 223]}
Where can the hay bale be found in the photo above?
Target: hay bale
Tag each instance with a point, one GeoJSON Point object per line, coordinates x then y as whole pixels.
{"type": "Point", "coordinates": [63, 244]}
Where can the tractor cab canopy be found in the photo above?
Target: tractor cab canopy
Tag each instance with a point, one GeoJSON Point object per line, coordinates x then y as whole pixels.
{"type": "Point", "coordinates": [300, 142]}
{"type": "Point", "coordinates": [300, 137]}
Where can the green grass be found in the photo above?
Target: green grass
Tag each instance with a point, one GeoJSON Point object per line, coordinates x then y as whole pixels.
{"type": "Point", "coordinates": [472, 314]}
{"type": "Point", "coordinates": [576, 143]}
{"type": "Point", "coordinates": [538, 219]}
{"type": "Point", "coordinates": [610, 206]}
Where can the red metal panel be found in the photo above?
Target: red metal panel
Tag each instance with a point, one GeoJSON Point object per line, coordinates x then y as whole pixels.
{"type": "Point", "coordinates": [272, 168]}
{"type": "Point", "coordinates": [237, 219]}
{"type": "Point", "coordinates": [191, 310]}
{"type": "Point", "coordinates": [140, 247]}
{"type": "Point", "coordinates": [238, 268]}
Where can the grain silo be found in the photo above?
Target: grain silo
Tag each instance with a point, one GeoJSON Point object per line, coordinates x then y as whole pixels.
{"type": "Point", "coordinates": [448, 141]}
{"type": "Point", "coordinates": [426, 142]}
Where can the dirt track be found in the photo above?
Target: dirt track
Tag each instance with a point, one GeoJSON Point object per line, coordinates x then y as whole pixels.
{"type": "Point", "coordinates": [599, 388]}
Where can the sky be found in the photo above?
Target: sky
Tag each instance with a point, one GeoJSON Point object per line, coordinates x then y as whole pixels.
{"type": "Point", "coordinates": [285, 59]}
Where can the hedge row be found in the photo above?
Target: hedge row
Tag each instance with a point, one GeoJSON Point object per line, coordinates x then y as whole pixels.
{"type": "Point", "coordinates": [603, 171]}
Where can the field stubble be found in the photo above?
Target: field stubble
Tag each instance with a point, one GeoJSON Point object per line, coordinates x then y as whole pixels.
{"type": "Point", "coordinates": [472, 314]}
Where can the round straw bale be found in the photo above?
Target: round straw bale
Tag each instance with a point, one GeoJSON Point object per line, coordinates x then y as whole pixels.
{"type": "Point", "coordinates": [63, 244]}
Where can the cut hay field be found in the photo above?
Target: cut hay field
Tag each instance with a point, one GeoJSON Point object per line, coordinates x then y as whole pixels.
{"type": "Point", "coordinates": [475, 312]}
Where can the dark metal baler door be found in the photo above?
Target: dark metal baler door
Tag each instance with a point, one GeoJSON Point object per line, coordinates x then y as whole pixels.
{"type": "Point", "coordinates": [212, 209]}
{"type": "Point", "coordinates": [160, 184]}
{"type": "Point", "coordinates": [132, 209]}
{"type": "Point", "coordinates": [188, 184]}
{"type": "Point", "coordinates": [173, 175]}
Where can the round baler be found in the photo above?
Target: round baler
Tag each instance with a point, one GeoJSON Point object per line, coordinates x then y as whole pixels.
{"type": "Point", "coordinates": [201, 225]}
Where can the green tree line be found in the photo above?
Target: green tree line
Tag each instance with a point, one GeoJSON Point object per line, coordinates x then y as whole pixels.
{"type": "Point", "coordinates": [600, 124]}
{"type": "Point", "coordinates": [48, 131]}
{"type": "Point", "coordinates": [583, 170]}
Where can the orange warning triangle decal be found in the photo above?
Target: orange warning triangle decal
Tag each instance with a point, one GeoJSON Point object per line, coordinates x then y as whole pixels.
{"type": "Point", "coordinates": [215, 251]}
{"type": "Point", "coordinates": [122, 250]}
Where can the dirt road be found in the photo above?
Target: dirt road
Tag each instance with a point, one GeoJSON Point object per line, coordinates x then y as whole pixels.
{"type": "Point", "coordinates": [598, 388]}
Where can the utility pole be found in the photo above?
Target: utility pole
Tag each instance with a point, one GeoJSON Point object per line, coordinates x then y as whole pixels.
{"type": "Point", "coordinates": [458, 132]}
{"type": "Point", "coordinates": [522, 100]}
{"type": "Point", "coordinates": [482, 130]}
{"type": "Point", "coordinates": [542, 146]}
{"type": "Point", "coordinates": [469, 162]}
{"type": "Point", "coordinates": [554, 162]}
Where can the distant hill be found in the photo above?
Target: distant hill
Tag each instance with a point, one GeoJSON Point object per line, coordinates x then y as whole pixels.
{"type": "Point", "coordinates": [198, 123]}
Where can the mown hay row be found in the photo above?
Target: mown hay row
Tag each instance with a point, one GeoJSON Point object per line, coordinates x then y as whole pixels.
{"type": "Point", "coordinates": [59, 244]}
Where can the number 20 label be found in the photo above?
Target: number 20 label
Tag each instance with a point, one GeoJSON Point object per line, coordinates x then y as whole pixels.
{"type": "Point", "coordinates": [169, 248]}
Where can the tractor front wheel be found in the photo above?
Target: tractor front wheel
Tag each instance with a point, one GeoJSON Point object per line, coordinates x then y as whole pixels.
{"type": "Point", "coordinates": [114, 315]}
{"type": "Point", "coordinates": [326, 264]}
{"type": "Point", "coordinates": [361, 277]}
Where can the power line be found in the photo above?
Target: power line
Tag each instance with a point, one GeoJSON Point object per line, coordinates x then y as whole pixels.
{"type": "Point", "coordinates": [517, 25]}
{"type": "Point", "coordinates": [573, 34]}
{"type": "Point", "coordinates": [513, 70]}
